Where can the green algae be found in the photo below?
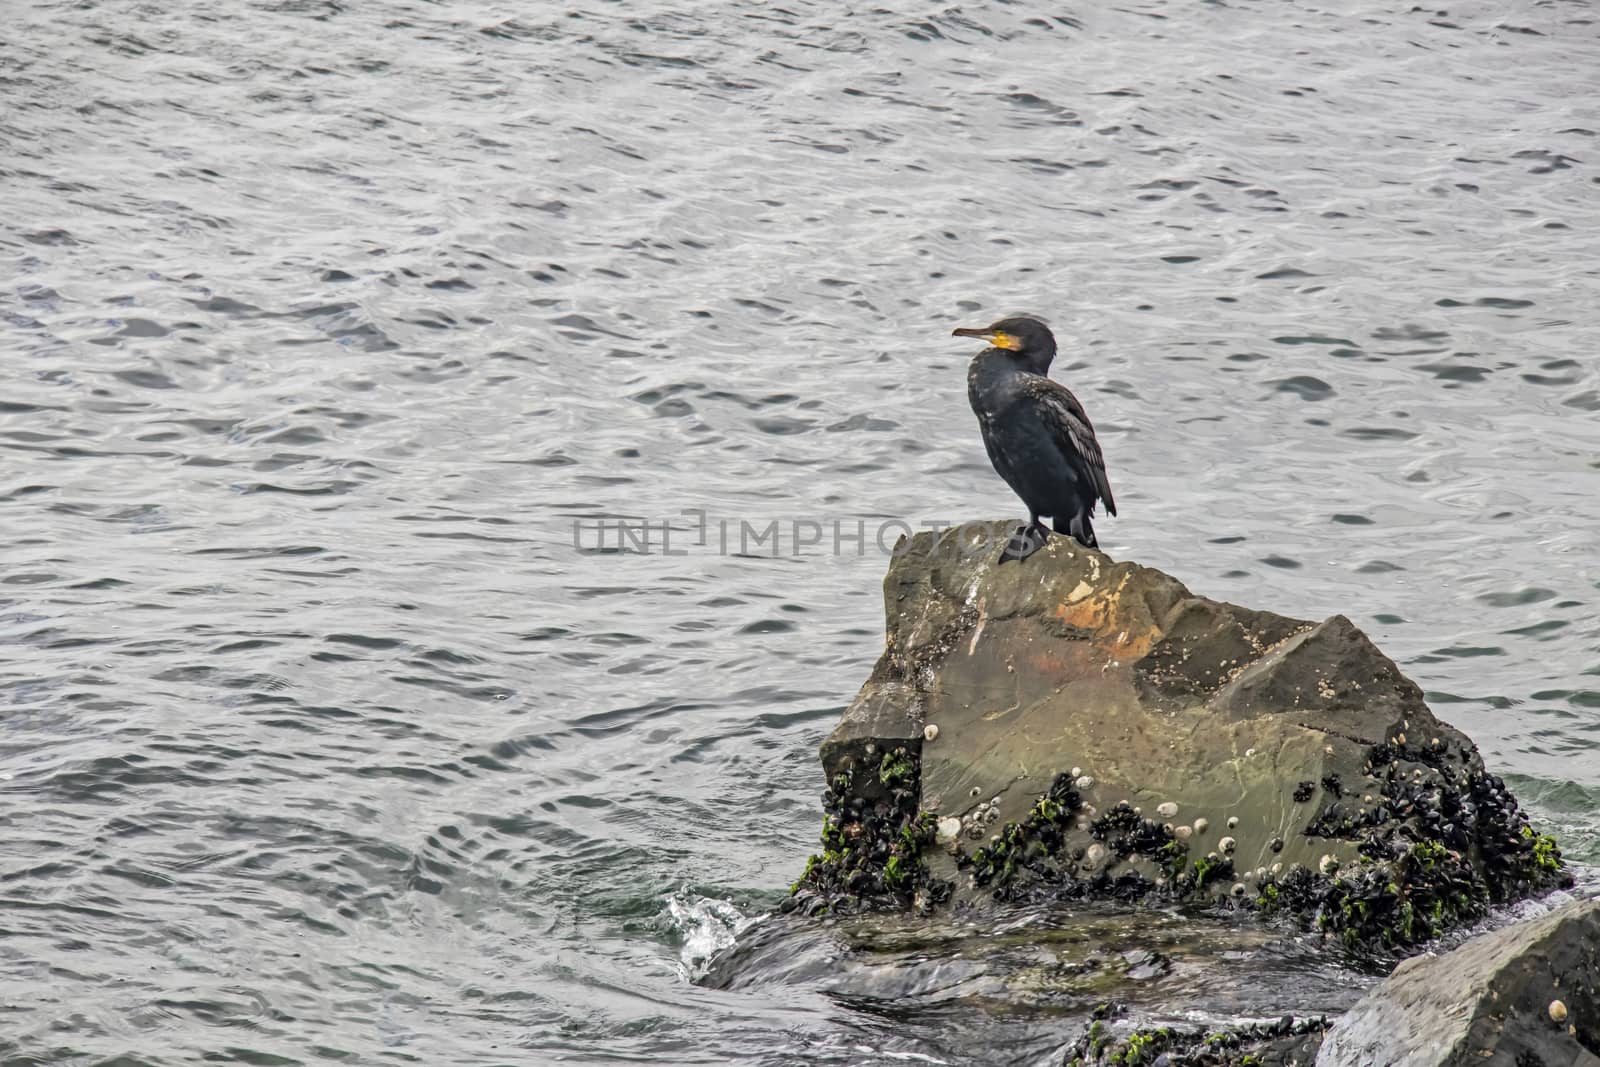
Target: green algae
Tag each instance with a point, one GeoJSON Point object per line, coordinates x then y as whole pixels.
{"type": "Point", "coordinates": [1287, 1040]}
{"type": "Point", "coordinates": [1209, 870]}
{"type": "Point", "coordinates": [896, 769]}
{"type": "Point", "coordinates": [1545, 853]}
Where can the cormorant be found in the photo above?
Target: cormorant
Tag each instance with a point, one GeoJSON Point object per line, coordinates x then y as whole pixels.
{"type": "Point", "coordinates": [1038, 437]}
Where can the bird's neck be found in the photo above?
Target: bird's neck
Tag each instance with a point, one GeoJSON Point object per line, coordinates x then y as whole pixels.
{"type": "Point", "coordinates": [1000, 362]}
{"type": "Point", "coordinates": [995, 372]}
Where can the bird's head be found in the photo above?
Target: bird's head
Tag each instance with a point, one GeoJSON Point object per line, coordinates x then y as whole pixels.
{"type": "Point", "coordinates": [1025, 337]}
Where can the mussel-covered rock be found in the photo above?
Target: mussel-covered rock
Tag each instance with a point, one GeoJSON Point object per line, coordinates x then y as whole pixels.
{"type": "Point", "coordinates": [1103, 733]}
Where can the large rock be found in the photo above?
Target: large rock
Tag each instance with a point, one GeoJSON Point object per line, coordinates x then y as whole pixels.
{"type": "Point", "coordinates": [1070, 726]}
{"type": "Point", "coordinates": [1522, 995]}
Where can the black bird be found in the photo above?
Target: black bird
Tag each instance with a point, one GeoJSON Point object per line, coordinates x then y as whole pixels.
{"type": "Point", "coordinates": [1038, 437]}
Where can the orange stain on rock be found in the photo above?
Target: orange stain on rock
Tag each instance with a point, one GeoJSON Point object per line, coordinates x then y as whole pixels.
{"type": "Point", "coordinates": [1118, 632]}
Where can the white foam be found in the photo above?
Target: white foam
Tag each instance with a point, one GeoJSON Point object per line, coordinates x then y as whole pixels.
{"type": "Point", "coordinates": [708, 926]}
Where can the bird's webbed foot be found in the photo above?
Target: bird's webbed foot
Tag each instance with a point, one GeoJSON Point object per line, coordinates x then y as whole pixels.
{"type": "Point", "coordinates": [1029, 538]}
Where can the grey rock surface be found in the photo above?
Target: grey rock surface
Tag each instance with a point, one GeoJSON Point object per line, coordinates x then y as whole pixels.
{"type": "Point", "coordinates": [1524, 995]}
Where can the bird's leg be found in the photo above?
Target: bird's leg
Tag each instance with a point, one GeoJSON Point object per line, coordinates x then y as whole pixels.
{"type": "Point", "coordinates": [1082, 530]}
{"type": "Point", "coordinates": [1028, 539]}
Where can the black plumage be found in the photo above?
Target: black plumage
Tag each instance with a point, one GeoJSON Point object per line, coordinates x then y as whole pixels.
{"type": "Point", "coordinates": [1037, 434]}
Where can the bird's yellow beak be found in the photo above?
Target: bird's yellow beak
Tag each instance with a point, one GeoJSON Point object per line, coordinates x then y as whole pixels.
{"type": "Point", "coordinates": [999, 340]}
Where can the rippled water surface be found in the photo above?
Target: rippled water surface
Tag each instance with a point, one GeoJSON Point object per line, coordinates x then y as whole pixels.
{"type": "Point", "coordinates": [325, 740]}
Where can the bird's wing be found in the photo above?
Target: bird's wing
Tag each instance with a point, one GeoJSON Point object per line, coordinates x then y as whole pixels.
{"type": "Point", "coordinates": [1072, 428]}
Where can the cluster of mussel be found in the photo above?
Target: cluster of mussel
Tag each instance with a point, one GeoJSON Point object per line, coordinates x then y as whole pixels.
{"type": "Point", "coordinates": [872, 842]}
{"type": "Point", "coordinates": [1287, 1040]}
{"type": "Point", "coordinates": [1443, 843]}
